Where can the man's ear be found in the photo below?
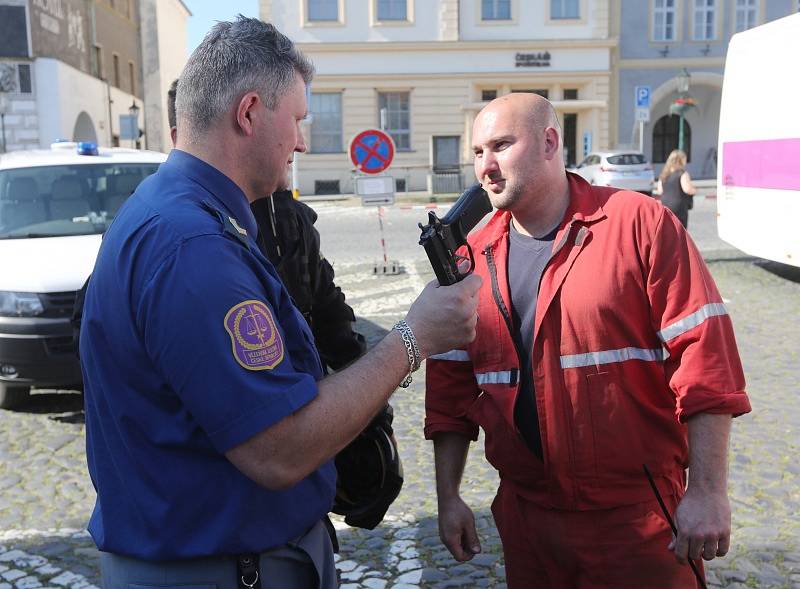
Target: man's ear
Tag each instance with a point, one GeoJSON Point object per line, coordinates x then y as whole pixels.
{"type": "Point", "coordinates": [246, 112]}
{"type": "Point", "coordinates": [551, 141]}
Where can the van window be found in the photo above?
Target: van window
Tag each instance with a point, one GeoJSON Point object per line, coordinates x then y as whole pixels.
{"type": "Point", "coordinates": [53, 201]}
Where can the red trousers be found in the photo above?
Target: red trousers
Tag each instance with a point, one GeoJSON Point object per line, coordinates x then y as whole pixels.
{"type": "Point", "coordinates": [622, 548]}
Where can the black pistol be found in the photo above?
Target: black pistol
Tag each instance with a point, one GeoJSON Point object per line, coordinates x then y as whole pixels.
{"type": "Point", "coordinates": [442, 237]}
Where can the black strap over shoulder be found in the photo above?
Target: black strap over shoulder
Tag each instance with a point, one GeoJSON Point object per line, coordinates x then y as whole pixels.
{"type": "Point", "coordinates": [247, 576]}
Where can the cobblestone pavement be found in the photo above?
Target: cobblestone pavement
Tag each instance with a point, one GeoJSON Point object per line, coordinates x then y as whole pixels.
{"type": "Point", "coordinates": [46, 496]}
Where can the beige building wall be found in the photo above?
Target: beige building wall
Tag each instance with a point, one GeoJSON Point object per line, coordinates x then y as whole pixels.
{"type": "Point", "coordinates": [445, 75]}
{"type": "Point", "coordinates": [164, 53]}
{"type": "Point", "coordinates": [444, 106]}
{"type": "Point", "coordinates": [117, 36]}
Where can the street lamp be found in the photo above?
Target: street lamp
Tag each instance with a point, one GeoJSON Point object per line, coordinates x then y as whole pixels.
{"type": "Point", "coordinates": [3, 108]}
{"type": "Point", "coordinates": [133, 110]}
{"type": "Point", "coordinates": [683, 89]}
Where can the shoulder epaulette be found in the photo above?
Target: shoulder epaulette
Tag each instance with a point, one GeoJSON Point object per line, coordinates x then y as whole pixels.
{"type": "Point", "coordinates": [229, 224]}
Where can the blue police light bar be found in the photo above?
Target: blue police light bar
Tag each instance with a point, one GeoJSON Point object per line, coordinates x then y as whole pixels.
{"type": "Point", "coordinates": [87, 148]}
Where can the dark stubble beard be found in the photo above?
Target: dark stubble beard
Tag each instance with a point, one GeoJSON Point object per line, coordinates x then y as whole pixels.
{"type": "Point", "coordinates": [506, 200]}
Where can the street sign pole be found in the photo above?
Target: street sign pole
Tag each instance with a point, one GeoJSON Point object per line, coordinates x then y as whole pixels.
{"type": "Point", "coordinates": [371, 152]}
{"type": "Point", "coordinates": [641, 136]}
{"type": "Point", "coordinates": [383, 240]}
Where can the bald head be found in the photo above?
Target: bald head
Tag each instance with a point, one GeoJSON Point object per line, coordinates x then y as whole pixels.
{"type": "Point", "coordinates": [530, 110]}
{"type": "Point", "coordinates": [518, 158]}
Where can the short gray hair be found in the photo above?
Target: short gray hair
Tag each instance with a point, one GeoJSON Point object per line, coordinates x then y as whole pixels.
{"type": "Point", "coordinates": [246, 55]}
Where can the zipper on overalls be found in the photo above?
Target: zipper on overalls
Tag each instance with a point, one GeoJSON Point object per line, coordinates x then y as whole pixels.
{"type": "Point", "coordinates": [501, 306]}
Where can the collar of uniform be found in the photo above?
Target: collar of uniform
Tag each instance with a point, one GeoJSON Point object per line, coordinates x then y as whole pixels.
{"type": "Point", "coordinates": [222, 189]}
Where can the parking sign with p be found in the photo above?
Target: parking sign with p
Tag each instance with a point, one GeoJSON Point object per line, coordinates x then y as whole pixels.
{"type": "Point", "coordinates": [642, 96]}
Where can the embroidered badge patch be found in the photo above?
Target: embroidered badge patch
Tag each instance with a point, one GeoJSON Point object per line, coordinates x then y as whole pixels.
{"type": "Point", "coordinates": [257, 345]}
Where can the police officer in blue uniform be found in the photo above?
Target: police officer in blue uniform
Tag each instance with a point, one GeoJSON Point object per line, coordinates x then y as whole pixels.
{"type": "Point", "coordinates": [369, 470]}
{"type": "Point", "coordinates": [210, 430]}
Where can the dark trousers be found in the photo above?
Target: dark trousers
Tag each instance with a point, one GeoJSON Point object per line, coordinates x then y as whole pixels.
{"type": "Point", "coordinates": [304, 563]}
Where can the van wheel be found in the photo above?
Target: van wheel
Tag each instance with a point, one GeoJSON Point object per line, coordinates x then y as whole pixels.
{"type": "Point", "coordinates": [12, 396]}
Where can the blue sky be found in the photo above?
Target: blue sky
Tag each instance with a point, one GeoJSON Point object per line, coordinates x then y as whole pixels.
{"type": "Point", "coordinates": [207, 12]}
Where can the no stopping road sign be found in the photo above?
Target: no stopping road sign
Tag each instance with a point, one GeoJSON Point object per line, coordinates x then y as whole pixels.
{"type": "Point", "coordinates": [372, 151]}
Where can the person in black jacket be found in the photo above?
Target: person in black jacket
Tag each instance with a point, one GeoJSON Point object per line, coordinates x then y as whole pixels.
{"type": "Point", "coordinates": [286, 234]}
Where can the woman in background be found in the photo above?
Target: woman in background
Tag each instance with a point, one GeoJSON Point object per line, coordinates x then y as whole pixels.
{"type": "Point", "coordinates": [675, 186]}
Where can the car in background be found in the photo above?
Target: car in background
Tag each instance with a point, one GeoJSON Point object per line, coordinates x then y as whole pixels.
{"type": "Point", "coordinates": [55, 206]}
{"type": "Point", "coordinates": [629, 170]}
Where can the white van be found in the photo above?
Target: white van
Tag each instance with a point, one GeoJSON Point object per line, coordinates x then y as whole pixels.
{"type": "Point", "coordinates": [54, 207]}
{"type": "Point", "coordinates": [758, 186]}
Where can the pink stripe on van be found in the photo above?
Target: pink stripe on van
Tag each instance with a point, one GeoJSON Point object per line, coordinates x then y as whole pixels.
{"type": "Point", "coordinates": [769, 163]}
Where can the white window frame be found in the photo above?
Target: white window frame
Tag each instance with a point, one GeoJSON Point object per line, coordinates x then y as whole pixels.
{"type": "Point", "coordinates": [377, 5]}
{"type": "Point", "coordinates": [495, 3]}
{"type": "Point", "coordinates": [393, 132]}
{"type": "Point", "coordinates": [756, 7]}
{"type": "Point", "coordinates": [562, 3]}
{"type": "Point", "coordinates": [316, 119]}
{"type": "Point", "coordinates": [307, 22]}
{"type": "Point", "coordinates": [702, 16]}
{"type": "Point", "coordinates": [664, 10]}
{"type": "Point", "coordinates": [376, 22]}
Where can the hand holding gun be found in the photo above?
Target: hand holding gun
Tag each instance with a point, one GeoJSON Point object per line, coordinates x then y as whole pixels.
{"type": "Point", "coordinates": [442, 237]}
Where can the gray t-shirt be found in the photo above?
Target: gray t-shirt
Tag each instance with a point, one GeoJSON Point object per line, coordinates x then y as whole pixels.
{"type": "Point", "coordinates": [527, 257]}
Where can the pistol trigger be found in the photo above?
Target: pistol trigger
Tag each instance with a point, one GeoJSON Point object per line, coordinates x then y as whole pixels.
{"type": "Point", "coordinates": [459, 260]}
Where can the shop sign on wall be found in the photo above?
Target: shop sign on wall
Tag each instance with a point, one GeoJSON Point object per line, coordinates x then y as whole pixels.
{"type": "Point", "coordinates": [541, 59]}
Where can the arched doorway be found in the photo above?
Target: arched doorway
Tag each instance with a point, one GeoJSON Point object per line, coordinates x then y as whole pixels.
{"type": "Point", "coordinates": [702, 122]}
{"type": "Point", "coordinates": [84, 129]}
{"type": "Point", "coordinates": [665, 138]}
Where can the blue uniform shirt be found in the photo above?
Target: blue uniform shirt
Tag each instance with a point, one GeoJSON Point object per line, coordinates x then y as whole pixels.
{"type": "Point", "coordinates": [190, 345]}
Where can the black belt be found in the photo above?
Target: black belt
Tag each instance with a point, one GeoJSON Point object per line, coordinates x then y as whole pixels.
{"type": "Point", "coordinates": [247, 576]}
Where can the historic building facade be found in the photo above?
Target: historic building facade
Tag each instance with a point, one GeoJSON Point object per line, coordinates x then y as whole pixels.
{"type": "Point", "coordinates": [68, 69]}
{"type": "Point", "coordinates": [424, 68]}
{"type": "Point", "coordinates": [665, 42]}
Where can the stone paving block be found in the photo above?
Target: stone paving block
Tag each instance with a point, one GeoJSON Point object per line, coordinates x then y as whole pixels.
{"type": "Point", "coordinates": [411, 577]}
{"type": "Point", "coordinates": [66, 579]}
{"type": "Point", "coordinates": [430, 575]}
{"type": "Point", "coordinates": [484, 560]}
{"type": "Point", "coordinates": [28, 583]}
{"type": "Point", "coordinates": [456, 582]}
{"type": "Point", "coordinates": [463, 568]}
{"type": "Point", "coordinates": [346, 565]}
{"type": "Point", "coordinates": [409, 565]}
{"type": "Point", "coordinates": [13, 555]}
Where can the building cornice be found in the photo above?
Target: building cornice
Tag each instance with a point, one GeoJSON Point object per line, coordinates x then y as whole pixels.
{"type": "Point", "coordinates": [515, 45]}
{"type": "Point", "coordinates": [483, 77]}
{"type": "Point", "coordinates": [186, 8]}
{"type": "Point", "coordinates": [673, 63]}
{"type": "Point", "coordinates": [567, 105]}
